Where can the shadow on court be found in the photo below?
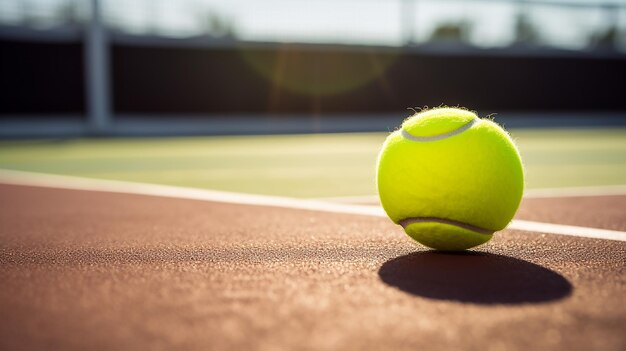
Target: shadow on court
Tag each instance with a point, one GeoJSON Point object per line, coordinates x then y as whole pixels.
{"type": "Point", "coordinates": [474, 277]}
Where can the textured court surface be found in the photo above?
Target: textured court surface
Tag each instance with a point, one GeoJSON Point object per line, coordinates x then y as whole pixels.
{"type": "Point", "coordinates": [84, 270]}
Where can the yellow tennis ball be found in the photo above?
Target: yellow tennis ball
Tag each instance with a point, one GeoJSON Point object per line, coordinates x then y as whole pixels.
{"type": "Point", "coordinates": [449, 178]}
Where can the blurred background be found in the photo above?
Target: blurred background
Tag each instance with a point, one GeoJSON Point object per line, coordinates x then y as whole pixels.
{"type": "Point", "coordinates": [117, 63]}
{"type": "Point", "coordinates": [553, 72]}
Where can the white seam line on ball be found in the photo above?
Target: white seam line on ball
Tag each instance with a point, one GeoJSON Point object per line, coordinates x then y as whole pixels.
{"type": "Point", "coordinates": [122, 187]}
{"type": "Point", "coordinates": [408, 221]}
{"type": "Point", "coordinates": [457, 131]}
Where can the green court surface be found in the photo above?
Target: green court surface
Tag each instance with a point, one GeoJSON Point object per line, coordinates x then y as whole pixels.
{"type": "Point", "coordinates": [314, 165]}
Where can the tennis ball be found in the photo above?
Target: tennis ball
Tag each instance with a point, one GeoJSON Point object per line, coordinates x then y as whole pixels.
{"type": "Point", "coordinates": [449, 178]}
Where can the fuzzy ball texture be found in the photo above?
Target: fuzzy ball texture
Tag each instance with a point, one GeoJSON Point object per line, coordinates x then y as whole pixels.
{"type": "Point", "coordinates": [450, 178]}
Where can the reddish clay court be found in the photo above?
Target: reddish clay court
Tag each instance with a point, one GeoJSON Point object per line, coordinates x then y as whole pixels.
{"type": "Point", "coordinates": [88, 270]}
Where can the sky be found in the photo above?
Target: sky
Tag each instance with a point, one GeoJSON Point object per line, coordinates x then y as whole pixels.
{"type": "Point", "coordinates": [382, 22]}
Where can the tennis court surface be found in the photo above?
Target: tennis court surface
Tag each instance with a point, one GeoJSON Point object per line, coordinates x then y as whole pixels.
{"type": "Point", "coordinates": [106, 270]}
{"type": "Point", "coordinates": [203, 175]}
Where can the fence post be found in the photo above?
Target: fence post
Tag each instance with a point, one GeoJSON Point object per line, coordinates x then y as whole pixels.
{"type": "Point", "coordinates": [97, 72]}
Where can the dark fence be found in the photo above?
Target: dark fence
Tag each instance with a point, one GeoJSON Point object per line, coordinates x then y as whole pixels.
{"type": "Point", "coordinates": [45, 78]}
{"type": "Point", "coordinates": [41, 78]}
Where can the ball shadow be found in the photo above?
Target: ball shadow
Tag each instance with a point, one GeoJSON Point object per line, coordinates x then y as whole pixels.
{"type": "Point", "coordinates": [474, 277]}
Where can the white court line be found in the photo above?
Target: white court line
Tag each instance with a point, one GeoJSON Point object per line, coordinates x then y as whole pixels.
{"type": "Point", "coordinates": [114, 186]}
{"type": "Point", "coordinates": [359, 199]}
{"type": "Point", "coordinates": [604, 190]}
{"type": "Point", "coordinates": [582, 191]}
